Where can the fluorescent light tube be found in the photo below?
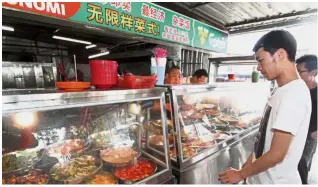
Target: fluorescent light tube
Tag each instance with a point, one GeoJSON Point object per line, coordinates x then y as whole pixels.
{"type": "Point", "coordinates": [71, 40]}
{"type": "Point", "coordinates": [7, 28]}
{"type": "Point", "coordinates": [90, 46]}
{"type": "Point", "coordinates": [98, 55]}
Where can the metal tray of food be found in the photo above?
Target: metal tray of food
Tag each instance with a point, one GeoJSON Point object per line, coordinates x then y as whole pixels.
{"type": "Point", "coordinates": [72, 147]}
{"type": "Point", "coordinates": [100, 140]}
{"type": "Point", "coordinates": [33, 176]}
{"type": "Point", "coordinates": [119, 157]}
{"type": "Point", "coordinates": [76, 170]}
{"type": "Point", "coordinates": [157, 141]}
{"type": "Point", "coordinates": [20, 161]}
{"type": "Point", "coordinates": [187, 152]}
{"type": "Point", "coordinates": [102, 177]}
{"type": "Point", "coordinates": [141, 170]}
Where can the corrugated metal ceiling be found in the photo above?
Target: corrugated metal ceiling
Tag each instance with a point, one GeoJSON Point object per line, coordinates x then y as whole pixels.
{"type": "Point", "coordinates": [233, 16]}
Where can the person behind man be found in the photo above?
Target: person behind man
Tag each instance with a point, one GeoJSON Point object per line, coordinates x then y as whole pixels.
{"type": "Point", "coordinates": [284, 126]}
{"type": "Point", "coordinates": [173, 76]}
{"type": "Point", "coordinates": [200, 76]}
{"type": "Point", "coordinates": [307, 69]}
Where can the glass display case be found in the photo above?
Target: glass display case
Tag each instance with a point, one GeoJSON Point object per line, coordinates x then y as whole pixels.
{"type": "Point", "coordinates": [88, 137]}
{"type": "Point", "coordinates": [206, 119]}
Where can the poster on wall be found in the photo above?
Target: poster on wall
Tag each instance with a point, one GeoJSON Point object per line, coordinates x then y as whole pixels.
{"type": "Point", "coordinates": [140, 18]}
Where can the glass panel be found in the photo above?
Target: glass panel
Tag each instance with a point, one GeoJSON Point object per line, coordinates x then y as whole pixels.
{"type": "Point", "coordinates": [243, 73]}
{"type": "Point", "coordinates": [72, 145]}
{"type": "Point", "coordinates": [210, 118]}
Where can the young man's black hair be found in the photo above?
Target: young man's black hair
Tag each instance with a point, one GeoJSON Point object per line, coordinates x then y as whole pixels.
{"type": "Point", "coordinates": [200, 72]}
{"type": "Point", "coordinates": [277, 39]}
{"type": "Point", "coordinates": [172, 68]}
{"type": "Point", "coordinates": [310, 62]}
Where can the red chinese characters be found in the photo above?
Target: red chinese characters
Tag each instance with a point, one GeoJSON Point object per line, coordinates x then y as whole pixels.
{"type": "Point", "coordinates": [126, 6]}
{"type": "Point", "coordinates": [174, 34]}
{"type": "Point", "coordinates": [180, 22]}
{"type": "Point", "coordinates": [145, 10]}
{"type": "Point", "coordinates": [161, 16]}
{"type": "Point", "coordinates": [187, 24]}
{"type": "Point", "coordinates": [115, 4]}
{"type": "Point", "coordinates": [153, 12]}
{"type": "Point", "coordinates": [175, 20]}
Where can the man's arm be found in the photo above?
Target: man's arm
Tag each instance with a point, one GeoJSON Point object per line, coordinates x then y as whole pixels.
{"type": "Point", "coordinates": [278, 150]}
{"type": "Point", "coordinates": [314, 135]}
{"type": "Point", "coordinates": [249, 160]}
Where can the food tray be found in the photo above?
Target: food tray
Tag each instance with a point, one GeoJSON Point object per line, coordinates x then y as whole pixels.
{"type": "Point", "coordinates": [101, 172]}
{"type": "Point", "coordinates": [209, 144]}
{"type": "Point", "coordinates": [208, 113]}
{"type": "Point", "coordinates": [173, 152]}
{"type": "Point", "coordinates": [125, 164]}
{"type": "Point", "coordinates": [219, 139]}
{"type": "Point", "coordinates": [31, 162]}
{"type": "Point", "coordinates": [87, 144]}
{"type": "Point", "coordinates": [221, 125]}
{"type": "Point", "coordinates": [134, 181]}
{"type": "Point", "coordinates": [78, 180]}
{"type": "Point", "coordinates": [160, 147]}
{"type": "Point", "coordinates": [25, 174]}
{"type": "Point", "coordinates": [230, 119]}
{"type": "Point", "coordinates": [92, 139]}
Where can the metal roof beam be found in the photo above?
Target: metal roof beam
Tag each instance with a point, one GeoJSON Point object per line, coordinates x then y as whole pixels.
{"type": "Point", "coordinates": [185, 10]}
{"type": "Point", "coordinates": [232, 58]}
{"type": "Point", "coordinates": [274, 25]}
{"type": "Point", "coordinates": [289, 15]}
{"type": "Point", "coordinates": [197, 5]}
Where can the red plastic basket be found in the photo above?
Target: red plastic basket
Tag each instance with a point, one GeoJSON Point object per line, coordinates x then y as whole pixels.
{"type": "Point", "coordinates": [137, 82]}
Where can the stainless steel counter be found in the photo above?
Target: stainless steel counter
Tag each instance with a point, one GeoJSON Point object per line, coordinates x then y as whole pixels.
{"type": "Point", "coordinates": [207, 170]}
{"type": "Point", "coordinates": [204, 166]}
{"type": "Point", "coordinates": [17, 100]}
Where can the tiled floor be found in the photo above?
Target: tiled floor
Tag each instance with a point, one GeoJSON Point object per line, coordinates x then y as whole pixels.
{"type": "Point", "coordinates": [312, 178]}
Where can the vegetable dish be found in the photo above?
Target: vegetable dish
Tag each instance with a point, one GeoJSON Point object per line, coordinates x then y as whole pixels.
{"type": "Point", "coordinates": [78, 168]}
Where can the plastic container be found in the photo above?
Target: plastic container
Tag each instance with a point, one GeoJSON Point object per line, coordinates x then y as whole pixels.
{"type": "Point", "coordinates": [73, 86]}
{"type": "Point", "coordinates": [231, 76]}
{"type": "Point", "coordinates": [137, 82]}
{"type": "Point", "coordinates": [158, 67]}
{"type": "Point", "coordinates": [104, 73]}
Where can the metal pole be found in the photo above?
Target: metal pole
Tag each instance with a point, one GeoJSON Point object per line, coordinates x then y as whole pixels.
{"type": "Point", "coordinates": [75, 67]}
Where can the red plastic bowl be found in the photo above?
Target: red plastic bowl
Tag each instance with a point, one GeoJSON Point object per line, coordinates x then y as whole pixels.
{"type": "Point", "coordinates": [104, 73]}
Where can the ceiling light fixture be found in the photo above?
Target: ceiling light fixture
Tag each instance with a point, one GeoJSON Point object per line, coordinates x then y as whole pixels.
{"type": "Point", "coordinates": [71, 40]}
{"type": "Point", "coordinates": [90, 46]}
{"type": "Point", "coordinates": [7, 28]}
{"type": "Point", "coordinates": [98, 55]}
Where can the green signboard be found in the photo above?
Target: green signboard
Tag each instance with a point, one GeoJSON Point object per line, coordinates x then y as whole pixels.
{"type": "Point", "coordinates": [141, 18]}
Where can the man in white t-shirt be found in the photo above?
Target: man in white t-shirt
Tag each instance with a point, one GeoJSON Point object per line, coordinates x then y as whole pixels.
{"type": "Point", "coordinates": [284, 126]}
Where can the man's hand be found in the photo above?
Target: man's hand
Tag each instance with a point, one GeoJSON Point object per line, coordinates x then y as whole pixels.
{"type": "Point", "coordinates": [231, 176]}
{"type": "Point", "coordinates": [314, 135]}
